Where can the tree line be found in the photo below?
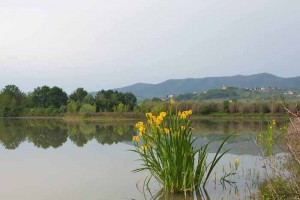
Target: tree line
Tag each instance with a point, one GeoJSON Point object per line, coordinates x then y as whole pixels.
{"type": "Point", "coordinates": [53, 101]}
{"type": "Point", "coordinates": [50, 101]}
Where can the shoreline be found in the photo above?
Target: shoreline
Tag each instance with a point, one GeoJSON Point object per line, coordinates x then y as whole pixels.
{"type": "Point", "coordinates": [128, 117]}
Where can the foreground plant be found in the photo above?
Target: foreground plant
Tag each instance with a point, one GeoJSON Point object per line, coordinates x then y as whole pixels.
{"type": "Point", "coordinates": [167, 150]}
{"type": "Point", "coordinates": [285, 181]}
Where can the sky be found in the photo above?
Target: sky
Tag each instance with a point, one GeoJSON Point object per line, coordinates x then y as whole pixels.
{"type": "Point", "coordinates": [101, 44]}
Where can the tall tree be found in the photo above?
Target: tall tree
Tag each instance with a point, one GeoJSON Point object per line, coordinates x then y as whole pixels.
{"type": "Point", "coordinates": [12, 101]}
{"type": "Point", "coordinates": [57, 97]}
{"type": "Point", "coordinates": [45, 97]}
{"type": "Point", "coordinates": [89, 99]}
{"type": "Point", "coordinates": [13, 94]}
{"type": "Point", "coordinates": [78, 95]}
{"type": "Point", "coordinates": [129, 99]}
{"type": "Point", "coordinates": [108, 100]}
{"type": "Point", "coordinates": [40, 96]}
{"type": "Point", "coordinates": [105, 100]}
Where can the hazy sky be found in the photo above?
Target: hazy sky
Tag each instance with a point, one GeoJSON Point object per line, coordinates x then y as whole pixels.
{"type": "Point", "coordinates": [101, 44]}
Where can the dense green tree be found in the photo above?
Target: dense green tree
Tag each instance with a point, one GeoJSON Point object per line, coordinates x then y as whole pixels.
{"type": "Point", "coordinates": [12, 100]}
{"type": "Point", "coordinates": [89, 99]}
{"type": "Point", "coordinates": [128, 99]}
{"type": "Point", "coordinates": [40, 96]}
{"type": "Point", "coordinates": [78, 95]}
{"type": "Point", "coordinates": [105, 100]}
{"type": "Point", "coordinates": [45, 97]}
{"type": "Point", "coordinates": [57, 97]}
{"type": "Point", "coordinates": [14, 94]}
{"type": "Point", "coordinates": [109, 100]}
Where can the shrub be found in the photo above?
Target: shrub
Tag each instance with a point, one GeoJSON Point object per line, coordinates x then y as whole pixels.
{"type": "Point", "coordinates": [72, 107]}
{"type": "Point", "coordinates": [226, 106]}
{"type": "Point", "coordinates": [121, 108]}
{"type": "Point", "coordinates": [50, 111]}
{"type": "Point", "coordinates": [136, 109]}
{"type": "Point", "coordinates": [278, 188]}
{"type": "Point", "coordinates": [157, 109]}
{"type": "Point", "coordinates": [282, 185]}
{"type": "Point", "coordinates": [87, 109]}
{"type": "Point", "coordinates": [204, 109]}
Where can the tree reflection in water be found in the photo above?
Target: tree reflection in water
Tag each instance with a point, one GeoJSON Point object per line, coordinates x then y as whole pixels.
{"type": "Point", "coordinates": [54, 133]}
{"type": "Point", "coordinates": [11, 136]}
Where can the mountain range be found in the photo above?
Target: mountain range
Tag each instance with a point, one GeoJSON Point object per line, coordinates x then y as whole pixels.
{"type": "Point", "coordinates": [190, 85]}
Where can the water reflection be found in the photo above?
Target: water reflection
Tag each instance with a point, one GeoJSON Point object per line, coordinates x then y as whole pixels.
{"type": "Point", "coordinates": [54, 133]}
{"type": "Point", "coordinates": [88, 170]}
{"type": "Point", "coordinates": [11, 135]}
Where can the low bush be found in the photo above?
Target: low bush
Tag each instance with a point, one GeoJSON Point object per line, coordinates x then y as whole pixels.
{"type": "Point", "coordinates": [87, 109]}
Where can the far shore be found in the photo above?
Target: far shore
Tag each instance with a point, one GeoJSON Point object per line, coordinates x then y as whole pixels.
{"type": "Point", "coordinates": [105, 117]}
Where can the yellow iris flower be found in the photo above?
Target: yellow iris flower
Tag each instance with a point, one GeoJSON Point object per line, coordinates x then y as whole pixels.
{"type": "Point", "coordinates": [144, 148]}
{"type": "Point", "coordinates": [167, 131]}
{"type": "Point", "coordinates": [136, 138]}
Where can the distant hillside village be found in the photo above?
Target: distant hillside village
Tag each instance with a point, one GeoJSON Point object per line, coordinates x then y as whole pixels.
{"type": "Point", "coordinates": [264, 82]}
{"type": "Point", "coordinates": [227, 92]}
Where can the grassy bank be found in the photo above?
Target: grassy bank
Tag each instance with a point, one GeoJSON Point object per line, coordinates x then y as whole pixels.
{"type": "Point", "coordinates": [104, 117]}
{"type": "Point", "coordinates": [243, 115]}
{"type": "Point", "coordinates": [133, 116]}
{"type": "Point", "coordinates": [111, 116]}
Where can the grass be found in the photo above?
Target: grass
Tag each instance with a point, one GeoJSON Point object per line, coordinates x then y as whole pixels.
{"type": "Point", "coordinates": [166, 149]}
{"type": "Point", "coordinates": [103, 117]}
{"type": "Point", "coordinates": [279, 188]}
{"type": "Point", "coordinates": [244, 115]}
{"type": "Point", "coordinates": [129, 116]}
{"type": "Point", "coordinates": [281, 185]}
{"type": "Point", "coordinates": [269, 135]}
{"type": "Point", "coordinates": [77, 119]}
{"type": "Point", "coordinates": [113, 116]}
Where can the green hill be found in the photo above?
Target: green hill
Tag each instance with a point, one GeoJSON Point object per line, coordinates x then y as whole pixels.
{"type": "Point", "coordinates": [242, 94]}
{"type": "Point", "coordinates": [191, 85]}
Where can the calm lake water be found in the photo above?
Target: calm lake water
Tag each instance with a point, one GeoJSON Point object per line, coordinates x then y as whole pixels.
{"type": "Point", "coordinates": [50, 159]}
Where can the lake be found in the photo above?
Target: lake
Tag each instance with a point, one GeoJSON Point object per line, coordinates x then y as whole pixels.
{"type": "Point", "coordinates": [51, 159]}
